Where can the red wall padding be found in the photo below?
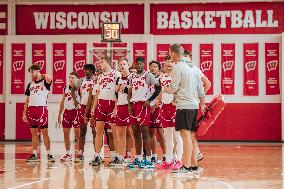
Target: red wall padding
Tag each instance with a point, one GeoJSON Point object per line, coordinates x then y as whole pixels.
{"type": "Point", "coordinates": [243, 121]}
{"type": "Point", "coordinates": [2, 121]}
{"type": "Point", "coordinates": [22, 128]}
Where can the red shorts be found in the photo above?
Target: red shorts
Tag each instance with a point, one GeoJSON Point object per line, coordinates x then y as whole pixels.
{"type": "Point", "coordinates": [155, 119]}
{"type": "Point", "coordinates": [104, 111]}
{"type": "Point", "coordinates": [71, 119]}
{"type": "Point", "coordinates": [37, 116]}
{"type": "Point", "coordinates": [168, 115]}
{"type": "Point", "coordinates": [141, 115]}
{"type": "Point", "coordinates": [122, 116]}
{"type": "Point", "coordinates": [82, 114]}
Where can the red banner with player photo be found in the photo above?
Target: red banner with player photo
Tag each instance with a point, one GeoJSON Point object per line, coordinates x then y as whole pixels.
{"type": "Point", "coordinates": [272, 68]}
{"type": "Point", "coordinates": [39, 56]}
{"type": "Point", "coordinates": [206, 63]}
{"type": "Point", "coordinates": [59, 67]}
{"type": "Point", "coordinates": [250, 54]}
{"type": "Point", "coordinates": [79, 58]}
{"type": "Point", "coordinates": [100, 49]}
{"type": "Point", "coordinates": [162, 53]}
{"type": "Point", "coordinates": [1, 69]}
{"type": "Point", "coordinates": [118, 53]}
{"type": "Point", "coordinates": [140, 50]}
{"type": "Point", "coordinates": [18, 68]}
{"type": "Point", "coordinates": [228, 69]}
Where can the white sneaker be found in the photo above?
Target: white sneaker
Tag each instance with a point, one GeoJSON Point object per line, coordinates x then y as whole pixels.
{"type": "Point", "coordinates": [199, 157]}
{"type": "Point", "coordinates": [198, 171]}
{"type": "Point", "coordinates": [66, 158]}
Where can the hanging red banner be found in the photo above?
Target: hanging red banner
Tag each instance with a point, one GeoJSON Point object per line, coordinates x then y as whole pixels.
{"type": "Point", "coordinates": [206, 63]}
{"type": "Point", "coordinates": [59, 67]}
{"type": "Point", "coordinates": [79, 58]}
{"type": "Point", "coordinates": [272, 68]}
{"type": "Point", "coordinates": [250, 55]}
{"type": "Point", "coordinates": [18, 68]}
{"type": "Point", "coordinates": [1, 69]}
{"type": "Point", "coordinates": [39, 56]}
{"type": "Point", "coordinates": [228, 69]}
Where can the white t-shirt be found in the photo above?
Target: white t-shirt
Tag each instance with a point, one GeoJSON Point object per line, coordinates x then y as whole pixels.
{"type": "Point", "coordinates": [140, 86]}
{"type": "Point", "coordinates": [106, 85]}
{"type": "Point", "coordinates": [166, 82]}
{"type": "Point", "coordinates": [38, 91]}
{"type": "Point", "coordinates": [86, 86]}
{"type": "Point", "coordinates": [122, 95]}
{"type": "Point", "coordinates": [68, 101]}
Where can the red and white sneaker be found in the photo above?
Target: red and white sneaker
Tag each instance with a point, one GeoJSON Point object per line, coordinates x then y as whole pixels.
{"type": "Point", "coordinates": [177, 165]}
{"type": "Point", "coordinates": [164, 165]}
{"type": "Point", "coordinates": [66, 158]}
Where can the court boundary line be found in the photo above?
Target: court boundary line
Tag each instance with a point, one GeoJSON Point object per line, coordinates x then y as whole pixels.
{"type": "Point", "coordinates": [218, 181]}
{"type": "Point", "coordinates": [30, 183]}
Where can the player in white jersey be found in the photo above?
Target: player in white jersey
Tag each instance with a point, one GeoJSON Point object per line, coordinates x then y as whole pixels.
{"type": "Point", "coordinates": [70, 105]}
{"type": "Point", "coordinates": [139, 109]}
{"type": "Point", "coordinates": [167, 118]}
{"type": "Point", "coordinates": [85, 86]}
{"type": "Point", "coordinates": [35, 110]}
{"type": "Point", "coordinates": [155, 128]}
{"type": "Point", "coordinates": [103, 106]}
{"type": "Point", "coordinates": [122, 114]}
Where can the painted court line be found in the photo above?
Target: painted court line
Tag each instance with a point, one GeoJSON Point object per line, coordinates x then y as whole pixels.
{"type": "Point", "coordinates": [30, 183]}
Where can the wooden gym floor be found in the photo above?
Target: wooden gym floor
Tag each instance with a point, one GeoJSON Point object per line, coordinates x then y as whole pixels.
{"type": "Point", "coordinates": [226, 166]}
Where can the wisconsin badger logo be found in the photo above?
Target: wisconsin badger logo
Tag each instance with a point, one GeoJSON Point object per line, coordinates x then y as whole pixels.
{"type": "Point", "coordinates": [228, 65]}
{"type": "Point", "coordinates": [79, 65]}
{"type": "Point", "coordinates": [18, 65]}
{"type": "Point", "coordinates": [59, 65]}
{"type": "Point", "coordinates": [250, 66]}
{"type": "Point", "coordinates": [272, 65]}
{"type": "Point", "coordinates": [206, 65]}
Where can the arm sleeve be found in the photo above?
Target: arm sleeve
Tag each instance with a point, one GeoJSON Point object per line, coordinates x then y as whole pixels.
{"type": "Point", "coordinates": [47, 85]}
{"type": "Point", "coordinates": [28, 92]}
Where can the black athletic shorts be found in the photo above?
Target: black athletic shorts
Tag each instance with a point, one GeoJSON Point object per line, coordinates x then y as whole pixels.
{"type": "Point", "coordinates": [186, 119]}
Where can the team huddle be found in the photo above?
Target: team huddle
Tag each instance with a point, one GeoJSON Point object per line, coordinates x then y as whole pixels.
{"type": "Point", "coordinates": [131, 106]}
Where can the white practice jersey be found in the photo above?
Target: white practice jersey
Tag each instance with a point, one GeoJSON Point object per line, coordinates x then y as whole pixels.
{"type": "Point", "coordinates": [68, 101]}
{"type": "Point", "coordinates": [122, 94]}
{"type": "Point", "coordinates": [86, 86]}
{"type": "Point", "coordinates": [166, 82]}
{"type": "Point", "coordinates": [38, 91]}
{"type": "Point", "coordinates": [140, 85]}
{"type": "Point", "coordinates": [106, 85]}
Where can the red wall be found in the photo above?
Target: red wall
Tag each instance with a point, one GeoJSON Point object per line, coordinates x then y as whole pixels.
{"type": "Point", "coordinates": [22, 128]}
{"type": "Point", "coordinates": [242, 121]}
{"type": "Point", "coordinates": [2, 121]}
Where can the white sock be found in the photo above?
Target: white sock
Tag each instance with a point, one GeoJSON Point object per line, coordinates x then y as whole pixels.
{"type": "Point", "coordinates": [148, 158]}
{"type": "Point", "coordinates": [112, 155]}
{"type": "Point", "coordinates": [80, 152]}
{"type": "Point", "coordinates": [139, 157]}
{"type": "Point", "coordinates": [48, 152]}
{"type": "Point", "coordinates": [96, 154]}
{"type": "Point", "coordinates": [128, 154]}
{"type": "Point", "coordinates": [155, 156]}
{"type": "Point", "coordinates": [35, 152]}
{"type": "Point", "coordinates": [174, 157]}
{"type": "Point", "coordinates": [68, 152]}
